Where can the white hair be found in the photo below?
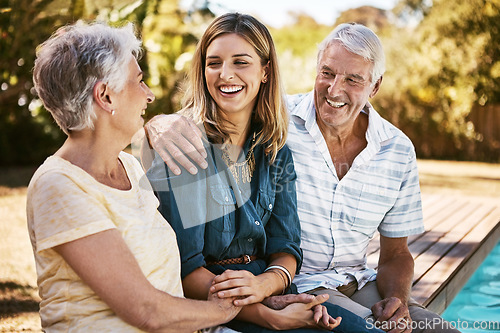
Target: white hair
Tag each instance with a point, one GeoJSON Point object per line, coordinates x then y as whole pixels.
{"type": "Point", "coordinates": [360, 40]}
{"type": "Point", "coordinates": [73, 60]}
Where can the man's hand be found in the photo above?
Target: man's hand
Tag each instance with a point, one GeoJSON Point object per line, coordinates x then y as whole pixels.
{"type": "Point", "coordinates": [175, 138]}
{"type": "Point", "coordinates": [394, 278]}
{"type": "Point", "coordinates": [282, 301]}
{"type": "Point", "coordinates": [392, 315]}
{"type": "Point", "coordinates": [304, 314]}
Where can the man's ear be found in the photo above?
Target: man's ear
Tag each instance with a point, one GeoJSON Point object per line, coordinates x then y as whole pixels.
{"type": "Point", "coordinates": [376, 87]}
{"type": "Point", "coordinates": [101, 96]}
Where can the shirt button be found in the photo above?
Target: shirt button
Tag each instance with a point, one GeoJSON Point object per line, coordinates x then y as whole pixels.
{"type": "Point", "coordinates": [270, 206]}
{"type": "Point", "coordinates": [250, 240]}
{"type": "Point", "coordinates": [227, 199]}
{"type": "Point", "coordinates": [257, 222]}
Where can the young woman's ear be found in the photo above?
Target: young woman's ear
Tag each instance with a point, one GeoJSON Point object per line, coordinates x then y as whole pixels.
{"type": "Point", "coordinates": [265, 78]}
{"type": "Point", "coordinates": [101, 97]}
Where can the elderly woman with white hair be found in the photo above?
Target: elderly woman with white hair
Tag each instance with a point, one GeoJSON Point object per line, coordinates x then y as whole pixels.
{"type": "Point", "coordinates": [106, 259]}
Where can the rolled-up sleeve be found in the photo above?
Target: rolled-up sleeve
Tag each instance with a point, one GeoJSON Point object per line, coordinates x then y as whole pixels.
{"type": "Point", "coordinates": [187, 222]}
{"type": "Point", "coordinates": [283, 227]}
{"type": "Point", "coordinates": [405, 218]}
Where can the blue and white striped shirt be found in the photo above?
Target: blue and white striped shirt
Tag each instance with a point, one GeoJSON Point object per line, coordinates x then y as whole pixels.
{"type": "Point", "coordinates": [338, 218]}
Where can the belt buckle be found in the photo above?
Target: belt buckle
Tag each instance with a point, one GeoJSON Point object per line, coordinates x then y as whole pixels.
{"type": "Point", "coordinates": [246, 259]}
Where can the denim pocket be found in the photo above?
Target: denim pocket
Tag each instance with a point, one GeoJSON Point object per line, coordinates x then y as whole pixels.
{"type": "Point", "coordinates": [266, 205]}
{"type": "Point", "coordinates": [221, 207]}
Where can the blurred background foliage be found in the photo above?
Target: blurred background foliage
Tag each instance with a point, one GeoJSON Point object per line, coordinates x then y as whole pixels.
{"type": "Point", "coordinates": [442, 85]}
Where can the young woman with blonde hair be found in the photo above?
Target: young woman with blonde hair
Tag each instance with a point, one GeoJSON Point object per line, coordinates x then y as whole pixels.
{"type": "Point", "coordinates": [236, 221]}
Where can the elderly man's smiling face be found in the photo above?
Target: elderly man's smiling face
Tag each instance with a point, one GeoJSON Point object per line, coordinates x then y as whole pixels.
{"type": "Point", "coordinates": [342, 87]}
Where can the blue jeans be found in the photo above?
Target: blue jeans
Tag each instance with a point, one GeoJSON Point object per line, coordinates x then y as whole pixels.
{"type": "Point", "coordinates": [350, 323]}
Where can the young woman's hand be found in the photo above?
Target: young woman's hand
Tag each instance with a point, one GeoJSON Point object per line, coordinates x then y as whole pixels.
{"type": "Point", "coordinates": [246, 287]}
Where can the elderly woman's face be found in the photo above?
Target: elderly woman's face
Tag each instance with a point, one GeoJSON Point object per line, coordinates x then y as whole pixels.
{"type": "Point", "coordinates": [133, 100]}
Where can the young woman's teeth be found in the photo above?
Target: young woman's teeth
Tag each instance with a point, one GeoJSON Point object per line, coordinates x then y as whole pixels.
{"type": "Point", "coordinates": [230, 89]}
{"type": "Point", "coordinates": [335, 104]}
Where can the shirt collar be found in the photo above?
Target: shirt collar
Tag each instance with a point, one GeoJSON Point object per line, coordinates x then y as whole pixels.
{"type": "Point", "coordinates": [302, 106]}
{"type": "Point", "coordinates": [378, 129]}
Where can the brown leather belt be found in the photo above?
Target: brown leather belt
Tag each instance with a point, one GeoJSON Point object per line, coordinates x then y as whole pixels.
{"type": "Point", "coordinates": [244, 259]}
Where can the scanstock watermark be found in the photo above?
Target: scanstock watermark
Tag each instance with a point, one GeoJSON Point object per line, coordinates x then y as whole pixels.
{"type": "Point", "coordinates": [434, 324]}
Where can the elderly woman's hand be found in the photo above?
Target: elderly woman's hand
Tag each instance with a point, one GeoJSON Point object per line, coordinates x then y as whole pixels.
{"type": "Point", "coordinates": [226, 305]}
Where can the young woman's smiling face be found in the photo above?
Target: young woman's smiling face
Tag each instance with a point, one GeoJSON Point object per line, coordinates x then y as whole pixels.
{"type": "Point", "coordinates": [234, 73]}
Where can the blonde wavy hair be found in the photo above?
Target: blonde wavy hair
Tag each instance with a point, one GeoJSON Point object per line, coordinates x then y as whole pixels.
{"type": "Point", "coordinates": [270, 113]}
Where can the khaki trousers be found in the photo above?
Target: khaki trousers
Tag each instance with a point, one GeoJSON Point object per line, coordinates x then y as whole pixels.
{"type": "Point", "coordinates": [360, 302]}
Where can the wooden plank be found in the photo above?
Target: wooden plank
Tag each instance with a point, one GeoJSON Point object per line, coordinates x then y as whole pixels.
{"type": "Point", "coordinates": [450, 288]}
{"type": "Point", "coordinates": [449, 239]}
{"type": "Point", "coordinates": [436, 227]}
{"type": "Point", "coordinates": [436, 210]}
{"type": "Point", "coordinates": [432, 236]}
{"type": "Point", "coordinates": [433, 203]}
{"type": "Point", "coordinates": [431, 220]}
{"type": "Point", "coordinates": [453, 245]}
{"type": "Point", "coordinates": [436, 242]}
{"type": "Point", "coordinates": [430, 286]}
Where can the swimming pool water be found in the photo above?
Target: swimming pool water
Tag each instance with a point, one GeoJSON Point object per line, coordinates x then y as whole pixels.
{"type": "Point", "coordinates": [476, 308]}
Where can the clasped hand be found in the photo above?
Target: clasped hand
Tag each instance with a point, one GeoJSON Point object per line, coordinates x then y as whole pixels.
{"type": "Point", "coordinates": [248, 288]}
{"type": "Point", "coordinates": [292, 311]}
{"type": "Point", "coordinates": [392, 315]}
{"type": "Point", "coordinates": [302, 310]}
{"type": "Point", "coordinates": [226, 305]}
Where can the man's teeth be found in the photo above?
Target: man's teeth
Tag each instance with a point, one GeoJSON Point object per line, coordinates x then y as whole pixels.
{"type": "Point", "coordinates": [143, 112]}
{"type": "Point", "coordinates": [230, 89]}
{"type": "Point", "coordinates": [335, 104]}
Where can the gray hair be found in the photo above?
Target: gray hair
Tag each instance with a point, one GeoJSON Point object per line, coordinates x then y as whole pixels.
{"type": "Point", "coordinates": [360, 40]}
{"type": "Point", "coordinates": [73, 60]}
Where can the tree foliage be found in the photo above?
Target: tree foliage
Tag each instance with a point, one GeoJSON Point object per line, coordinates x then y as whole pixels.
{"type": "Point", "coordinates": [27, 132]}
{"type": "Point", "coordinates": [373, 18]}
{"type": "Point", "coordinates": [443, 66]}
{"type": "Point", "coordinates": [296, 45]}
{"type": "Point", "coordinates": [23, 136]}
{"type": "Point", "coordinates": [441, 70]}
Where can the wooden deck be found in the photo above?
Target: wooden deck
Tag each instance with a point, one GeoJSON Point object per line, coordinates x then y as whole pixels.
{"type": "Point", "coordinates": [460, 232]}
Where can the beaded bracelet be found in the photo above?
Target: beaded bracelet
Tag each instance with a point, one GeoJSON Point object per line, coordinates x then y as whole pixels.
{"type": "Point", "coordinates": [284, 270]}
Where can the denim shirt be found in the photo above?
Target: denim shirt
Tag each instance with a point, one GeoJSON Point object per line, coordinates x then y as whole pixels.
{"type": "Point", "coordinates": [217, 218]}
